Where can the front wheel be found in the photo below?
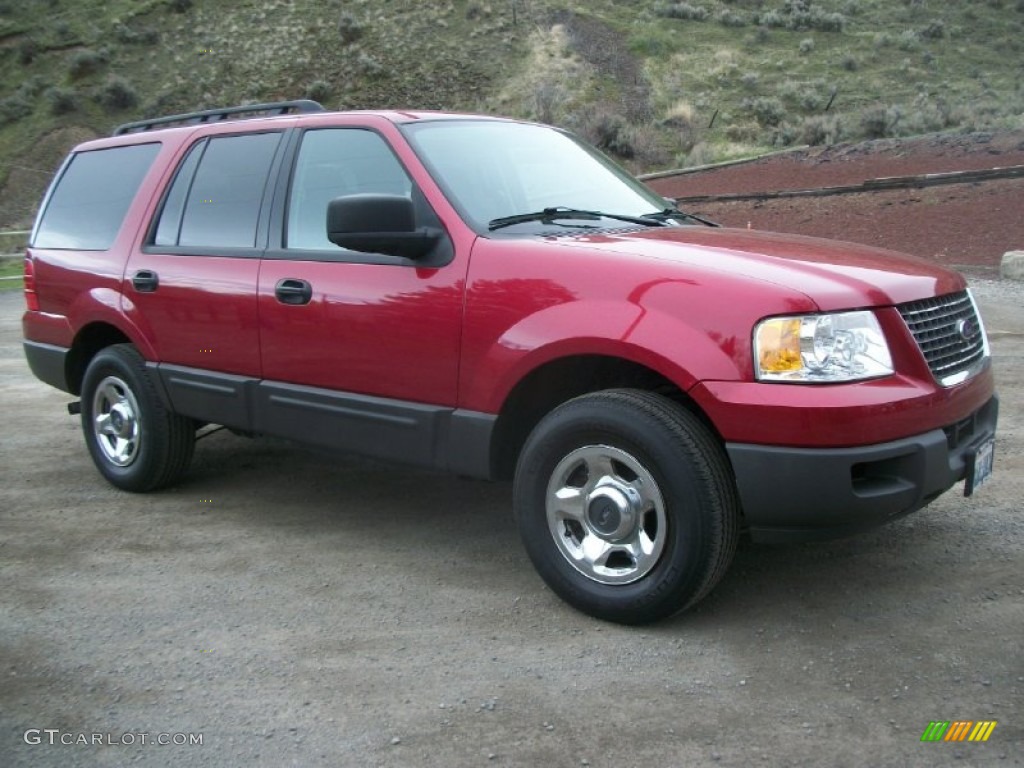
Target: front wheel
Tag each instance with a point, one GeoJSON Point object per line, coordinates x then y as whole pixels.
{"type": "Point", "coordinates": [626, 505]}
{"type": "Point", "coordinates": [136, 443]}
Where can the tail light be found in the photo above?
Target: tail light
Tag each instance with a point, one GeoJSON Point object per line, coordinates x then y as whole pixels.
{"type": "Point", "coordinates": [31, 299]}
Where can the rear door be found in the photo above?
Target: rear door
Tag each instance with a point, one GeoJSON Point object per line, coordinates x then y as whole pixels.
{"type": "Point", "coordinates": [191, 286]}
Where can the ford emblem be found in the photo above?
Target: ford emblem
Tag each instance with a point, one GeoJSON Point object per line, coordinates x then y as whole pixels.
{"type": "Point", "coordinates": [967, 328]}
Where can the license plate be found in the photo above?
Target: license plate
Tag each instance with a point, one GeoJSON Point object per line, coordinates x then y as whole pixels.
{"type": "Point", "coordinates": [979, 468]}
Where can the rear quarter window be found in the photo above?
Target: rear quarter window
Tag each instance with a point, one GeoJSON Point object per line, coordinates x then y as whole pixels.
{"type": "Point", "coordinates": [88, 204]}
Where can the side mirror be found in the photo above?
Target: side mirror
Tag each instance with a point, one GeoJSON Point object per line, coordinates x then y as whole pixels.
{"type": "Point", "coordinates": [374, 223]}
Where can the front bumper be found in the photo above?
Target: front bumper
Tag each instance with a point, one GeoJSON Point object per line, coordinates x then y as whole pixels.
{"type": "Point", "coordinates": [818, 493]}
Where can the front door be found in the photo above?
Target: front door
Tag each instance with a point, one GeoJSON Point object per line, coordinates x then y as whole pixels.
{"type": "Point", "coordinates": [359, 350]}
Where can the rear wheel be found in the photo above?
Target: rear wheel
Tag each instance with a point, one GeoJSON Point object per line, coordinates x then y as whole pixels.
{"type": "Point", "coordinates": [626, 505]}
{"type": "Point", "coordinates": [135, 441]}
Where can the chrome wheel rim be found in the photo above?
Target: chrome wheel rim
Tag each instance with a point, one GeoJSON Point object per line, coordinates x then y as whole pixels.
{"type": "Point", "coordinates": [606, 514]}
{"type": "Point", "coordinates": [116, 426]}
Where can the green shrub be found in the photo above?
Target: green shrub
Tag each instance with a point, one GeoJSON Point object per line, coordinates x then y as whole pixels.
{"type": "Point", "coordinates": [28, 49]}
{"type": "Point", "coordinates": [785, 134]}
{"type": "Point", "coordinates": [927, 119]}
{"type": "Point", "coordinates": [878, 122]}
{"type": "Point", "coordinates": [768, 111]}
{"type": "Point", "coordinates": [908, 40]}
{"type": "Point", "coordinates": [820, 129]}
{"type": "Point", "coordinates": [744, 133]}
{"type": "Point", "coordinates": [935, 30]}
{"type": "Point", "coordinates": [86, 62]}
{"type": "Point", "coordinates": [828, 22]}
{"type": "Point", "coordinates": [13, 108]}
{"type": "Point", "coordinates": [806, 46]}
{"type": "Point", "coordinates": [750, 80]}
{"type": "Point", "coordinates": [180, 6]}
{"type": "Point", "coordinates": [117, 94]}
{"type": "Point", "coordinates": [849, 62]}
{"type": "Point", "coordinates": [802, 15]}
{"type": "Point", "coordinates": [729, 18]}
{"type": "Point", "coordinates": [349, 28]}
{"type": "Point", "coordinates": [319, 90]}
{"type": "Point", "coordinates": [813, 99]}
{"type": "Point", "coordinates": [808, 96]}
{"type": "Point", "coordinates": [62, 31]}
{"type": "Point", "coordinates": [814, 131]}
{"type": "Point", "coordinates": [369, 65]}
{"type": "Point", "coordinates": [609, 132]}
{"type": "Point", "coordinates": [681, 11]}
{"type": "Point", "coordinates": [61, 100]}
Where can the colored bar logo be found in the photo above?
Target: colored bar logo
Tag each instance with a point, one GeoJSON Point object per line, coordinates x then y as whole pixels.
{"type": "Point", "coordinates": [959, 730]}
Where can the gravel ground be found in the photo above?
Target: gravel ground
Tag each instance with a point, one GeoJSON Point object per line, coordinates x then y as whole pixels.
{"type": "Point", "coordinates": [301, 610]}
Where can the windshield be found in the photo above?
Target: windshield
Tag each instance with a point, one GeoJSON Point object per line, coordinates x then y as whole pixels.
{"type": "Point", "coordinates": [490, 170]}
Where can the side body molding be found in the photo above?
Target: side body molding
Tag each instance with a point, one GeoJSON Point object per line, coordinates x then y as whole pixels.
{"type": "Point", "coordinates": [418, 434]}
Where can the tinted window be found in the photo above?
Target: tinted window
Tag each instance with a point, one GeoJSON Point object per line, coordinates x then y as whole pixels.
{"type": "Point", "coordinates": [169, 228]}
{"type": "Point", "coordinates": [334, 163]}
{"type": "Point", "coordinates": [222, 206]}
{"type": "Point", "coordinates": [92, 197]}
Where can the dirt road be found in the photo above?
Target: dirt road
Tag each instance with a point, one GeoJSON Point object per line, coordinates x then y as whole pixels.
{"type": "Point", "coordinates": [292, 609]}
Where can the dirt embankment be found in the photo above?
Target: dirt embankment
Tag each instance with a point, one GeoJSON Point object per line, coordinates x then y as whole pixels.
{"type": "Point", "coordinates": [968, 225]}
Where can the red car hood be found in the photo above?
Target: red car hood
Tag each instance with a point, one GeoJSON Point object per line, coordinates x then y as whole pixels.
{"type": "Point", "coordinates": [833, 274]}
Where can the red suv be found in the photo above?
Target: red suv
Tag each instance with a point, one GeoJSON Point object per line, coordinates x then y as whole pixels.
{"type": "Point", "coordinates": [497, 299]}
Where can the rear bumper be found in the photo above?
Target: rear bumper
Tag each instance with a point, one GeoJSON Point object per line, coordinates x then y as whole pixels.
{"type": "Point", "coordinates": [48, 362]}
{"type": "Point", "coordinates": [817, 493]}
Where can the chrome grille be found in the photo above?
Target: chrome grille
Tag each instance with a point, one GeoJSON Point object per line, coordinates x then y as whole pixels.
{"type": "Point", "coordinates": [950, 334]}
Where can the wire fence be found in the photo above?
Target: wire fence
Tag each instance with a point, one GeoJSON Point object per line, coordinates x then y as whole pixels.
{"type": "Point", "coordinates": [13, 241]}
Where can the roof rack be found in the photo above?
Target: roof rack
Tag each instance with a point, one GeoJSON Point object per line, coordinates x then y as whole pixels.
{"type": "Point", "coordinates": [215, 115]}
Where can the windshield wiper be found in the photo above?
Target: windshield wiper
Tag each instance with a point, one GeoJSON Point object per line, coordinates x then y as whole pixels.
{"type": "Point", "coordinates": [549, 215]}
{"type": "Point", "coordinates": [674, 213]}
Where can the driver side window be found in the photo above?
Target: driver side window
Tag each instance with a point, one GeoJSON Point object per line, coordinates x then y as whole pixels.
{"type": "Point", "coordinates": [332, 163]}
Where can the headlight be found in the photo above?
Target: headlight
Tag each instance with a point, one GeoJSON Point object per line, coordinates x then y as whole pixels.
{"type": "Point", "coordinates": [847, 346]}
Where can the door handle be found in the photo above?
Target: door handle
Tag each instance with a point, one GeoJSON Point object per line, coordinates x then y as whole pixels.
{"type": "Point", "coordinates": [291, 290]}
{"type": "Point", "coordinates": [145, 281]}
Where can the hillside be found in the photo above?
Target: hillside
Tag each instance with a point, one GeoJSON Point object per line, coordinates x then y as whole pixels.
{"type": "Point", "coordinates": [659, 84]}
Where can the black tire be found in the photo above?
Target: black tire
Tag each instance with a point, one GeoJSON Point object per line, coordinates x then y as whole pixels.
{"type": "Point", "coordinates": [136, 443]}
{"type": "Point", "coordinates": [649, 564]}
